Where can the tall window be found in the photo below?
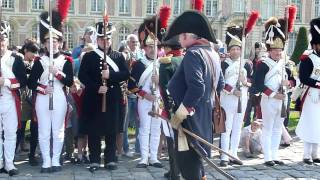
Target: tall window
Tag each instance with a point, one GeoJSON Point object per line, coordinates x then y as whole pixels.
{"type": "Point", "coordinates": [37, 4]}
{"type": "Point", "coordinates": [152, 6]}
{"type": "Point", "coordinates": [292, 42]}
{"type": "Point", "coordinates": [123, 33]}
{"type": "Point", "coordinates": [267, 8]}
{"type": "Point", "coordinates": [12, 37]}
{"type": "Point", "coordinates": [178, 6]}
{"type": "Point", "coordinates": [71, 8]}
{"type": "Point", "coordinates": [237, 6]}
{"type": "Point", "coordinates": [211, 7]}
{"type": "Point", "coordinates": [124, 6]}
{"type": "Point", "coordinates": [97, 5]}
{"type": "Point", "coordinates": [317, 8]}
{"type": "Point", "coordinates": [35, 31]}
{"type": "Point", "coordinates": [299, 9]}
{"type": "Point", "coordinates": [8, 4]}
{"type": "Point", "coordinates": [68, 36]}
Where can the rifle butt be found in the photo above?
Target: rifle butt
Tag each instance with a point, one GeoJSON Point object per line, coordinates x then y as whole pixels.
{"type": "Point", "coordinates": [239, 109]}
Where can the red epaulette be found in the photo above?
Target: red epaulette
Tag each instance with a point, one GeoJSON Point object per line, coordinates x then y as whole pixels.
{"type": "Point", "coordinates": [304, 57]}
{"type": "Point", "coordinates": [37, 58]}
{"type": "Point", "coordinates": [69, 58]}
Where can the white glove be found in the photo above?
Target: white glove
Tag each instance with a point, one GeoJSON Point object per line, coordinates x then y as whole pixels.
{"type": "Point", "coordinates": [182, 140]}
{"type": "Point", "coordinates": [314, 95]}
{"type": "Point", "coordinates": [180, 115]}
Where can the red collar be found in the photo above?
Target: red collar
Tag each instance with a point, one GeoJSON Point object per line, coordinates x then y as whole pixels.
{"type": "Point", "coordinates": [175, 53]}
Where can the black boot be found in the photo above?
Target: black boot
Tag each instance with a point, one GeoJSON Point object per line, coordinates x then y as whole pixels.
{"type": "Point", "coordinates": [13, 172]}
{"type": "Point", "coordinates": [33, 161]}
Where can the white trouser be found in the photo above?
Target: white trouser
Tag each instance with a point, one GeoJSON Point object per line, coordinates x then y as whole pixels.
{"type": "Point", "coordinates": [149, 132]}
{"type": "Point", "coordinates": [234, 122]}
{"type": "Point", "coordinates": [310, 150]}
{"type": "Point", "coordinates": [51, 121]}
{"type": "Point", "coordinates": [8, 126]}
{"type": "Point", "coordinates": [272, 127]}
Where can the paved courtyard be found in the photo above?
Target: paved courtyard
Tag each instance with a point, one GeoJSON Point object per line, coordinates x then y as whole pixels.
{"type": "Point", "coordinates": [252, 169]}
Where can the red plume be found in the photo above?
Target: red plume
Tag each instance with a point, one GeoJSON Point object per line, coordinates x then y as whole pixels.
{"type": "Point", "coordinates": [292, 16]}
{"type": "Point", "coordinates": [164, 15]}
{"type": "Point", "coordinates": [253, 18]}
{"type": "Point", "coordinates": [63, 8]}
{"type": "Point", "coordinates": [198, 5]}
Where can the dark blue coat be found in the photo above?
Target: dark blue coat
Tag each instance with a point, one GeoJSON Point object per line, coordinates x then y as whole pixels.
{"type": "Point", "coordinates": [192, 86]}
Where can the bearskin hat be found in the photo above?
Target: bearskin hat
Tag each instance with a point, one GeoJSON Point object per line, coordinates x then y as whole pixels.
{"type": "Point", "coordinates": [315, 31]}
{"type": "Point", "coordinates": [56, 25]}
{"type": "Point", "coordinates": [233, 36]}
{"type": "Point", "coordinates": [275, 33]}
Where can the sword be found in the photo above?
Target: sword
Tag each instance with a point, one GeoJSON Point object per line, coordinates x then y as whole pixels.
{"type": "Point", "coordinates": [212, 164]}
{"type": "Point", "coordinates": [196, 137]}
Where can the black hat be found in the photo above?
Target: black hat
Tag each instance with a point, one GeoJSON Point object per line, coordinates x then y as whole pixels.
{"type": "Point", "coordinates": [100, 29]}
{"type": "Point", "coordinates": [234, 36]}
{"type": "Point", "coordinates": [191, 22]}
{"type": "Point", "coordinates": [56, 24]}
{"type": "Point", "coordinates": [315, 31]}
{"type": "Point", "coordinates": [4, 29]}
{"type": "Point", "coordinates": [275, 33]}
{"type": "Point", "coordinates": [172, 43]}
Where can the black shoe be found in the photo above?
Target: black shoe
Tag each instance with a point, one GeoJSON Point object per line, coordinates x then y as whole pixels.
{"type": "Point", "coordinates": [111, 166]}
{"type": "Point", "coordinates": [3, 170]}
{"type": "Point", "coordinates": [33, 161]}
{"type": "Point", "coordinates": [141, 165]}
{"type": "Point", "coordinates": [236, 162]}
{"type": "Point", "coordinates": [56, 169]}
{"type": "Point", "coordinates": [93, 168]}
{"type": "Point", "coordinates": [308, 161]}
{"type": "Point", "coordinates": [45, 170]}
{"type": "Point", "coordinates": [269, 163]}
{"type": "Point", "coordinates": [281, 163]}
{"type": "Point", "coordinates": [13, 172]}
{"type": "Point", "coordinates": [156, 164]}
{"type": "Point", "coordinates": [85, 160]}
{"type": "Point", "coordinates": [224, 163]}
{"type": "Point", "coordinates": [317, 160]}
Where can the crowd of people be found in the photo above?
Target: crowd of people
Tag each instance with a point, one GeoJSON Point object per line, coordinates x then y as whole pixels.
{"type": "Point", "coordinates": [160, 81]}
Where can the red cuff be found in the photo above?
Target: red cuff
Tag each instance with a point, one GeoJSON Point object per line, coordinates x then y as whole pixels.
{"type": "Point", "coordinates": [14, 84]}
{"type": "Point", "coordinates": [190, 110]}
{"type": "Point", "coordinates": [228, 88]}
{"type": "Point", "coordinates": [141, 93]}
{"type": "Point", "coordinates": [165, 113]}
{"type": "Point", "coordinates": [41, 89]}
{"type": "Point", "coordinates": [59, 75]}
{"type": "Point", "coordinates": [267, 91]}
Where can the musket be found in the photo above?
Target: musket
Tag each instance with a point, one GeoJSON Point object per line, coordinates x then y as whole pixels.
{"type": "Point", "coordinates": [243, 43]}
{"type": "Point", "coordinates": [105, 65]}
{"type": "Point", "coordinates": [283, 71]}
{"type": "Point", "coordinates": [154, 87]}
{"type": "Point", "coordinates": [0, 48]}
{"type": "Point", "coordinates": [51, 62]}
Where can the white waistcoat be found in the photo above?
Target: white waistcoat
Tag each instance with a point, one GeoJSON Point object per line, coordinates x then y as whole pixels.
{"type": "Point", "coordinates": [232, 72]}
{"type": "Point", "coordinates": [58, 62]}
{"type": "Point", "coordinates": [6, 70]}
{"type": "Point", "coordinates": [273, 78]}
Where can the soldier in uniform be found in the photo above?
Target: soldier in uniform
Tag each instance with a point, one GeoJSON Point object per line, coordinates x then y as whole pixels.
{"type": "Point", "coordinates": [95, 122]}
{"type": "Point", "coordinates": [268, 81]}
{"type": "Point", "coordinates": [61, 68]}
{"type": "Point", "coordinates": [140, 83]}
{"type": "Point", "coordinates": [230, 95]}
{"type": "Point", "coordinates": [191, 88]}
{"type": "Point", "coordinates": [309, 74]}
{"type": "Point", "coordinates": [168, 65]}
{"type": "Point", "coordinates": [12, 78]}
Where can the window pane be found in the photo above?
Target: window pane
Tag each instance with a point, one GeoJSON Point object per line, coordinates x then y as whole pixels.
{"type": "Point", "coordinates": [298, 4]}
{"type": "Point", "coordinates": [317, 8]}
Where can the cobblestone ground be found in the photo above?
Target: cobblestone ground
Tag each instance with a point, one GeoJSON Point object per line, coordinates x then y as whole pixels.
{"type": "Point", "coordinates": [252, 169]}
